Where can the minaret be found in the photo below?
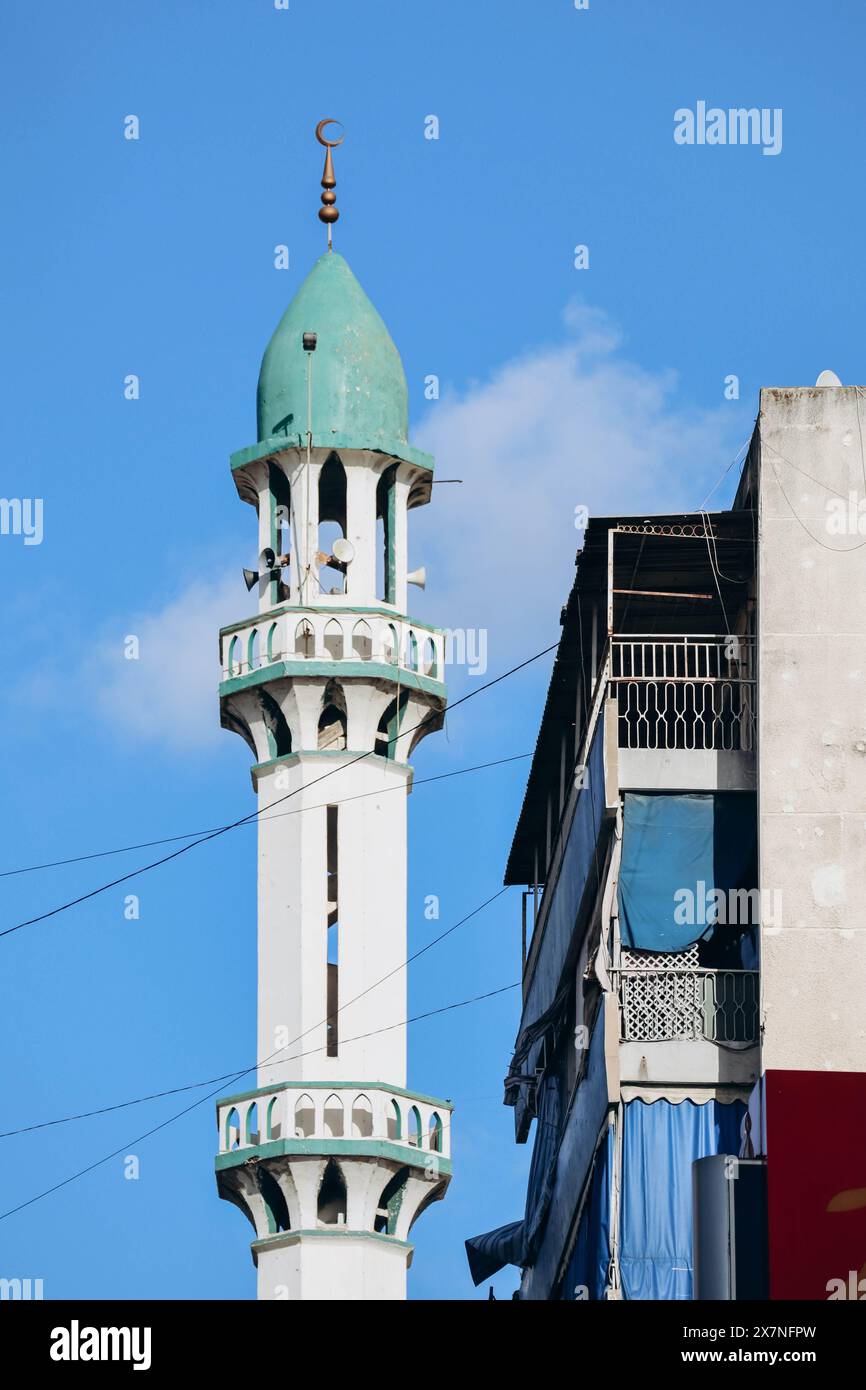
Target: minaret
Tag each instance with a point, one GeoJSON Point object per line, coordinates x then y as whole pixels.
{"type": "Point", "coordinates": [332, 686]}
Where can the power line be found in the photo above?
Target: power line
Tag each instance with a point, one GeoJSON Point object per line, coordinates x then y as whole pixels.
{"type": "Point", "coordinates": [106, 1158]}
{"type": "Point", "coordinates": [254, 815]}
{"type": "Point", "coordinates": [192, 834]}
{"type": "Point", "coordinates": [229, 1075]}
{"type": "Point", "coordinates": [742, 449]}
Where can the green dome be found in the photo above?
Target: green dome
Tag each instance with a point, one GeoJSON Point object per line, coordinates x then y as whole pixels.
{"type": "Point", "coordinates": [359, 386]}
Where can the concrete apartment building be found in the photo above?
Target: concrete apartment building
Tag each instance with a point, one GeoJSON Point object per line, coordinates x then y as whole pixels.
{"type": "Point", "coordinates": [691, 848]}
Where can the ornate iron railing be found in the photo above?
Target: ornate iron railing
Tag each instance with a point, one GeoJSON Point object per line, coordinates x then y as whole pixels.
{"type": "Point", "coordinates": [692, 693]}
{"type": "Point", "coordinates": [662, 1005]}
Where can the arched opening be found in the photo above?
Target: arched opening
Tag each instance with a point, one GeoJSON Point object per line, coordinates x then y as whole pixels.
{"type": "Point", "coordinates": [333, 640]}
{"type": "Point", "coordinates": [434, 1134]}
{"type": "Point", "coordinates": [429, 661]}
{"type": "Point", "coordinates": [332, 1197]}
{"type": "Point", "coordinates": [305, 639]}
{"type": "Point", "coordinates": [412, 652]}
{"type": "Point", "coordinates": [388, 645]}
{"type": "Point", "coordinates": [395, 1121]}
{"type": "Point", "coordinates": [281, 525]}
{"type": "Point", "coordinates": [332, 521]}
{"type": "Point", "coordinates": [305, 1118]}
{"type": "Point", "coordinates": [362, 1118]}
{"type": "Point", "coordinates": [389, 727]}
{"type": "Point", "coordinates": [272, 652]}
{"type": "Point", "coordinates": [278, 731]}
{"type": "Point", "coordinates": [414, 1128]}
{"type": "Point", "coordinates": [386, 563]}
{"type": "Point", "coordinates": [362, 641]}
{"type": "Point", "coordinates": [334, 1117]}
{"type": "Point", "coordinates": [233, 657]}
{"type": "Point", "coordinates": [275, 1203]}
{"type": "Point", "coordinates": [332, 721]}
{"type": "Point", "coordinates": [273, 1128]}
{"type": "Point", "coordinates": [233, 1129]}
{"type": "Point", "coordinates": [390, 1202]}
{"type": "Point", "coordinates": [253, 654]}
{"type": "Point", "coordinates": [253, 1123]}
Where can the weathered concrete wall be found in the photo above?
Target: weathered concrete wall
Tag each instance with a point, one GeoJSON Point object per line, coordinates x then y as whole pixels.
{"type": "Point", "coordinates": [812, 726]}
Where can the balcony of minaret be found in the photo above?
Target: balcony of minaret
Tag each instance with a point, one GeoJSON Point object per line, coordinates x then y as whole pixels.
{"type": "Point", "coordinates": [301, 639]}
{"type": "Point", "coordinates": [301, 1116]}
{"type": "Point", "coordinates": [303, 680]}
{"type": "Point", "coordinates": [316, 1156]}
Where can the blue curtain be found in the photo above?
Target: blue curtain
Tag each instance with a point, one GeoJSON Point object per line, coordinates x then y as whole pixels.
{"type": "Point", "coordinates": [697, 842]}
{"type": "Point", "coordinates": [587, 1270]}
{"type": "Point", "coordinates": [660, 1142]}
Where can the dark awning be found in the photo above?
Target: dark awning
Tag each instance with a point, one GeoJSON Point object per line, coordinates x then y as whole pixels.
{"type": "Point", "coordinates": [517, 1243]}
{"type": "Point", "coordinates": [489, 1253]}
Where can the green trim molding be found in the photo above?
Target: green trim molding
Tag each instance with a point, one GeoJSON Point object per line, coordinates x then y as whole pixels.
{"type": "Point", "coordinates": [335, 670]}
{"type": "Point", "coordinates": [286, 610]}
{"type": "Point", "coordinates": [279, 443]}
{"type": "Point", "coordinates": [407, 1155]}
{"type": "Point", "coordinates": [336, 1086]}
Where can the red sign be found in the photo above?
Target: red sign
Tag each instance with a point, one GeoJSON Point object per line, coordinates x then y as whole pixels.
{"type": "Point", "coordinates": [816, 1184]}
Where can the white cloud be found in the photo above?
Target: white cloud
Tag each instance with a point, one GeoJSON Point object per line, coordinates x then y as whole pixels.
{"type": "Point", "coordinates": [571, 424]}
{"type": "Point", "coordinates": [169, 695]}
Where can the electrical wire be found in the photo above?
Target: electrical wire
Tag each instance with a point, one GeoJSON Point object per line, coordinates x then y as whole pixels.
{"type": "Point", "coordinates": [192, 834]}
{"type": "Point", "coordinates": [254, 815]}
{"type": "Point", "coordinates": [715, 575]}
{"type": "Point", "coordinates": [194, 1085]}
{"type": "Point", "coordinates": [231, 1075]}
{"type": "Point", "coordinates": [737, 456]}
{"type": "Point", "coordinates": [125, 1148]}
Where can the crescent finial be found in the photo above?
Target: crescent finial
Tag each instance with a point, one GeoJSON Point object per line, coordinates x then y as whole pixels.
{"type": "Point", "coordinates": [331, 144]}
{"type": "Point", "coordinates": [328, 212]}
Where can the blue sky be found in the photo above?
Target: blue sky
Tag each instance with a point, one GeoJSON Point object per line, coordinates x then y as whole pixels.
{"type": "Point", "coordinates": [560, 387]}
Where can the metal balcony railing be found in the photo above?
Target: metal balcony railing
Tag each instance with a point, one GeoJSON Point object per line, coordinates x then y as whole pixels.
{"type": "Point", "coordinates": [693, 693]}
{"type": "Point", "coordinates": [662, 1005]}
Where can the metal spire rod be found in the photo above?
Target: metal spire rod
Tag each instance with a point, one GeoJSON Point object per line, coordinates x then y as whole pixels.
{"type": "Point", "coordinates": [328, 213]}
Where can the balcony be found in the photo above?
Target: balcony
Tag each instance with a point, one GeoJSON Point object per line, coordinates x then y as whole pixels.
{"type": "Point", "coordinates": [686, 711]}
{"type": "Point", "coordinates": [693, 693]}
{"type": "Point", "coordinates": [337, 641]}
{"type": "Point", "coordinates": [686, 1003]}
{"type": "Point", "coordinates": [313, 1117]}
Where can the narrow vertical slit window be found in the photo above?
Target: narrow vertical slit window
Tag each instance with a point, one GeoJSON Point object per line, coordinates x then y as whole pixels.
{"type": "Point", "coordinates": [333, 929]}
{"type": "Point", "coordinates": [386, 504]}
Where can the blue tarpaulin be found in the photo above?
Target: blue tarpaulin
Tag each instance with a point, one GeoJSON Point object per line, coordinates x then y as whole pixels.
{"type": "Point", "coordinates": [660, 1143]}
{"type": "Point", "coordinates": [586, 1274]}
{"type": "Point", "coordinates": [677, 851]}
{"type": "Point", "coordinates": [580, 868]}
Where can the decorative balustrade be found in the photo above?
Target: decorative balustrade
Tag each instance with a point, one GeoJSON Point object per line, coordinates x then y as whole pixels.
{"type": "Point", "coordinates": [660, 1004]}
{"type": "Point", "coordinates": [306, 635]}
{"type": "Point", "coordinates": [315, 1112]}
{"type": "Point", "coordinates": [692, 693]}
